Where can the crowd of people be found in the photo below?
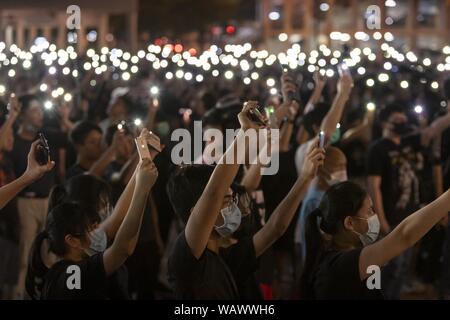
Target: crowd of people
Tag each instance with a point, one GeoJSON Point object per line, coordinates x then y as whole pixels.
{"type": "Point", "coordinates": [362, 182]}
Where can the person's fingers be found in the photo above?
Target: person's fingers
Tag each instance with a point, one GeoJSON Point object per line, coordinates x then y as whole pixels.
{"type": "Point", "coordinates": [314, 144]}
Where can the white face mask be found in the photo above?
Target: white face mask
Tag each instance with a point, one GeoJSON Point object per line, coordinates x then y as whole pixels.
{"type": "Point", "coordinates": [373, 224]}
{"type": "Point", "coordinates": [231, 220]}
{"type": "Point", "coordinates": [99, 242]}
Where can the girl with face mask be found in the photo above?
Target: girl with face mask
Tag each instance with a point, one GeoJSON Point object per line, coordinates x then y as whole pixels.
{"type": "Point", "coordinates": [202, 197]}
{"type": "Point", "coordinates": [342, 246]}
{"type": "Point", "coordinates": [77, 233]}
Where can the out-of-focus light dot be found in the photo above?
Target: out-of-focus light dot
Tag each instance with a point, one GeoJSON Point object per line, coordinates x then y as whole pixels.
{"type": "Point", "coordinates": [86, 66]}
{"type": "Point", "coordinates": [11, 73]}
{"type": "Point", "coordinates": [90, 53]}
{"type": "Point", "coordinates": [43, 87]}
{"type": "Point", "coordinates": [404, 84]}
{"type": "Point", "coordinates": [169, 75]}
{"type": "Point", "coordinates": [370, 82]}
{"type": "Point", "coordinates": [215, 73]}
{"type": "Point", "coordinates": [418, 109]}
{"type": "Point", "coordinates": [134, 59]}
{"type": "Point", "coordinates": [387, 65]}
{"type": "Point", "coordinates": [2, 89]}
{"type": "Point", "coordinates": [273, 91]}
{"type": "Point", "coordinates": [282, 37]}
{"type": "Point", "coordinates": [372, 57]}
{"type": "Point", "coordinates": [254, 75]}
{"type": "Point", "coordinates": [66, 71]}
{"type": "Point", "coordinates": [75, 73]}
{"type": "Point", "coordinates": [324, 6]}
{"type": "Point", "coordinates": [435, 85]}
{"type": "Point", "coordinates": [329, 73]}
{"type": "Point", "coordinates": [48, 105]}
{"type": "Point", "coordinates": [126, 56]}
{"type": "Point", "coordinates": [426, 62]}
{"type": "Point", "coordinates": [389, 21]}
{"type": "Point", "coordinates": [443, 104]}
{"type": "Point", "coordinates": [123, 66]}
{"type": "Point", "coordinates": [134, 69]}
{"type": "Point", "coordinates": [383, 77]}
{"type": "Point", "coordinates": [247, 80]}
{"type": "Point", "coordinates": [154, 90]}
{"type": "Point", "coordinates": [126, 76]}
{"type": "Point", "coordinates": [60, 91]}
{"type": "Point", "coordinates": [370, 106]}
{"type": "Point", "coordinates": [311, 68]}
{"type": "Point", "coordinates": [93, 83]}
{"type": "Point", "coordinates": [440, 67]}
{"type": "Point", "coordinates": [274, 15]}
{"type": "Point", "coordinates": [361, 70]}
{"type": "Point", "coordinates": [137, 122]}
{"type": "Point", "coordinates": [67, 97]}
{"type": "Point", "coordinates": [446, 50]}
{"type": "Point", "coordinates": [199, 78]}
{"type": "Point", "coordinates": [26, 64]}
{"type": "Point", "coordinates": [229, 75]}
{"type": "Point", "coordinates": [179, 74]}
{"type": "Point", "coordinates": [377, 35]}
{"type": "Point", "coordinates": [270, 82]}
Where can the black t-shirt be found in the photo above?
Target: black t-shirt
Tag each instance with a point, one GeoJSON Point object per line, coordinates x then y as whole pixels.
{"type": "Point", "coordinates": [212, 276]}
{"type": "Point", "coordinates": [337, 277]}
{"type": "Point", "coordinates": [399, 167]}
{"type": "Point", "coordinates": [75, 170]}
{"type": "Point", "coordinates": [19, 157]}
{"type": "Point", "coordinates": [95, 285]}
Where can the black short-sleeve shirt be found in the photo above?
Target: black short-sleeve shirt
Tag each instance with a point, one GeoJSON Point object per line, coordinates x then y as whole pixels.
{"type": "Point", "coordinates": [212, 276]}
{"type": "Point", "coordinates": [337, 277]}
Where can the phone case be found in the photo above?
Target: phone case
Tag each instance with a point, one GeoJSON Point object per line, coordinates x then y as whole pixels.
{"type": "Point", "coordinates": [142, 147]}
{"type": "Point", "coordinates": [154, 142]}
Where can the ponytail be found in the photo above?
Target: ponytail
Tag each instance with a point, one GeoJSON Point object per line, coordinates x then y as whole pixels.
{"type": "Point", "coordinates": [36, 270]}
{"type": "Point", "coordinates": [58, 195]}
{"type": "Point", "coordinates": [314, 248]}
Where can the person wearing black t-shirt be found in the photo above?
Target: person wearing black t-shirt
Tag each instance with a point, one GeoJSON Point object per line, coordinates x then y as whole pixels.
{"type": "Point", "coordinates": [344, 259]}
{"type": "Point", "coordinates": [199, 268]}
{"type": "Point", "coordinates": [394, 164]}
{"type": "Point", "coordinates": [87, 140]}
{"type": "Point", "coordinates": [83, 272]}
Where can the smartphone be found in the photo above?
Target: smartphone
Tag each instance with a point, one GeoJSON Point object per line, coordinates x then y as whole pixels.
{"type": "Point", "coordinates": [153, 141]}
{"type": "Point", "coordinates": [142, 147]}
{"type": "Point", "coordinates": [321, 139]}
{"type": "Point", "coordinates": [42, 153]}
{"type": "Point", "coordinates": [256, 116]}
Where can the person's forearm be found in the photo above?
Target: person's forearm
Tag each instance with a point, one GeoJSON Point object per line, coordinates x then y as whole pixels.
{"type": "Point", "coordinates": [285, 211]}
{"type": "Point", "coordinates": [252, 177]}
{"type": "Point", "coordinates": [286, 133]}
{"type": "Point", "coordinates": [9, 191]}
{"type": "Point", "coordinates": [99, 167]}
{"type": "Point", "coordinates": [414, 227]}
{"type": "Point", "coordinates": [127, 172]}
{"type": "Point", "coordinates": [334, 115]}
{"type": "Point", "coordinates": [123, 242]}
{"type": "Point", "coordinates": [315, 98]}
{"type": "Point", "coordinates": [113, 222]}
{"type": "Point", "coordinates": [437, 180]}
{"type": "Point", "coordinates": [440, 124]}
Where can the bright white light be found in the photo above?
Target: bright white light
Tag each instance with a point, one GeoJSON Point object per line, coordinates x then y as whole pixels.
{"type": "Point", "coordinates": [383, 77]}
{"type": "Point", "coordinates": [324, 7]}
{"type": "Point", "coordinates": [361, 70]}
{"type": "Point", "coordinates": [404, 84]}
{"type": "Point", "coordinates": [11, 73]}
{"type": "Point", "coordinates": [2, 89]}
{"type": "Point", "coordinates": [426, 62]}
{"type": "Point", "coordinates": [329, 73]}
{"type": "Point", "coordinates": [179, 74]}
{"type": "Point", "coordinates": [154, 90]}
{"type": "Point", "coordinates": [43, 87]}
{"type": "Point", "coordinates": [377, 35]}
{"type": "Point", "coordinates": [48, 105]}
{"type": "Point", "coordinates": [188, 76]}
{"type": "Point", "coordinates": [390, 3]}
{"type": "Point", "coordinates": [254, 75]}
{"type": "Point", "coordinates": [229, 75]}
{"type": "Point", "coordinates": [418, 109]}
{"type": "Point", "coordinates": [387, 65]}
{"type": "Point", "coordinates": [274, 15]}
{"type": "Point", "coordinates": [370, 106]}
{"type": "Point", "coordinates": [67, 97]}
{"type": "Point", "coordinates": [66, 71]}
{"type": "Point", "coordinates": [273, 91]}
{"type": "Point", "coordinates": [137, 122]}
{"type": "Point", "coordinates": [126, 76]}
{"type": "Point", "coordinates": [199, 78]}
{"type": "Point", "coordinates": [247, 80]}
{"type": "Point", "coordinates": [270, 82]}
{"type": "Point", "coordinates": [370, 82]}
{"type": "Point", "coordinates": [87, 66]}
{"type": "Point", "coordinates": [169, 75]}
{"type": "Point", "coordinates": [435, 85]}
{"type": "Point", "coordinates": [388, 37]}
{"type": "Point", "coordinates": [446, 50]}
{"type": "Point", "coordinates": [283, 37]}
{"type": "Point", "coordinates": [215, 73]}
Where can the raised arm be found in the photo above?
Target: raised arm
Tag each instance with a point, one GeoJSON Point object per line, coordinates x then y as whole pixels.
{"type": "Point", "coordinates": [405, 235]}
{"type": "Point", "coordinates": [435, 129]}
{"type": "Point", "coordinates": [33, 173]}
{"type": "Point", "coordinates": [204, 214]}
{"type": "Point", "coordinates": [374, 188]}
{"type": "Point", "coordinates": [281, 217]}
{"type": "Point", "coordinates": [99, 167]}
{"type": "Point", "coordinates": [320, 82]}
{"type": "Point", "coordinates": [127, 235]}
{"type": "Point", "coordinates": [334, 115]}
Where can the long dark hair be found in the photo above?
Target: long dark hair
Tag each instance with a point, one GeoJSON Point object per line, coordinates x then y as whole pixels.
{"type": "Point", "coordinates": [340, 201]}
{"type": "Point", "coordinates": [64, 219]}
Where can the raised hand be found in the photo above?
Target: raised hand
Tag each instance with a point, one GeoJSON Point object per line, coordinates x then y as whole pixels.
{"type": "Point", "coordinates": [34, 170]}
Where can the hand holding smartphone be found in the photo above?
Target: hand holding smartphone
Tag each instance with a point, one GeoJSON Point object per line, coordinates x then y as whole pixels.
{"type": "Point", "coordinates": [321, 139]}
{"type": "Point", "coordinates": [257, 116]}
{"type": "Point", "coordinates": [42, 154]}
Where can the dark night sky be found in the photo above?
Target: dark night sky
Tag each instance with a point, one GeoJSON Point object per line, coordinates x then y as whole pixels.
{"type": "Point", "coordinates": [178, 16]}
